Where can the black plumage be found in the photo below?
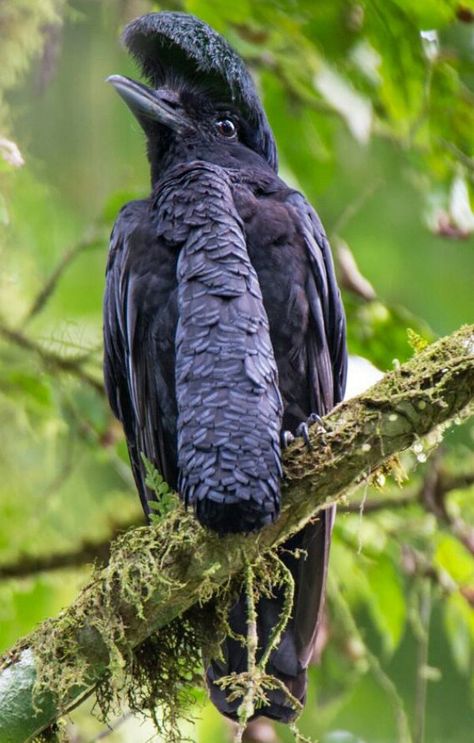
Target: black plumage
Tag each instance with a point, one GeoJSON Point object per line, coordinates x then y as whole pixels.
{"type": "Point", "coordinates": [223, 323]}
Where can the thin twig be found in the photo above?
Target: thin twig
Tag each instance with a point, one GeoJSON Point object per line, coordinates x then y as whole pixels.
{"type": "Point", "coordinates": [90, 240]}
{"type": "Point", "coordinates": [112, 727]}
{"type": "Point", "coordinates": [354, 207]}
{"type": "Point", "coordinates": [456, 482]}
{"type": "Point", "coordinates": [466, 160]}
{"type": "Point", "coordinates": [422, 635]}
{"type": "Point", "coordinates": [247, 707]}
{"type": "Point", "coordinates": [51, 360]}
{"type": "Point", "coordinates": [372, 505]}
{"type": "Point", "coordinates": [345, 613]}
{"type": "Point", "coordinates": [350, 275]}
{"type": "Point", "coordinates": [433, 496]}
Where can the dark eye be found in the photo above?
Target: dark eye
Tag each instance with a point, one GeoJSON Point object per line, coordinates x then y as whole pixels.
{"type": "Point", "coordinates": [227, 128]}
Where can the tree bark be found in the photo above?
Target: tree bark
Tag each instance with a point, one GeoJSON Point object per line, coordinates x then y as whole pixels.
{"type": "Point", "coordinates": [360, 435]}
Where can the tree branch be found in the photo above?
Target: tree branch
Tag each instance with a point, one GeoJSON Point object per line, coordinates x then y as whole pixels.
{"type": "Point", "coordinates": [86, 553]}
{"type": "Point", "coordinates": [444, 484]}
{"type": "Point", "coordinates": [157, 573]}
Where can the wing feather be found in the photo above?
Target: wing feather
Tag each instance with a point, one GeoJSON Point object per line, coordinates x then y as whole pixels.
{"type": "Point", "coordinates": [138, 333]}
{"type": "Point", "coordinates": [327, 354]}
{"type": "Point", "coordinates": [327, 370]}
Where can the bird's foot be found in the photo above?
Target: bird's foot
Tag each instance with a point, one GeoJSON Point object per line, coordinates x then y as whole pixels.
{"type": "Point", "coordinates": [286, 438]}
{"type": "Point", "coordinates": [303, 429]}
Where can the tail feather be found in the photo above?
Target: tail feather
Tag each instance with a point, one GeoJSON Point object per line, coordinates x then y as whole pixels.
{"type": "Point", "coordinates": [289, 661]}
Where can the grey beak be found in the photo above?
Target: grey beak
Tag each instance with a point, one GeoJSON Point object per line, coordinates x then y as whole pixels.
{"type": "Point", "coordinates": [156, 105]}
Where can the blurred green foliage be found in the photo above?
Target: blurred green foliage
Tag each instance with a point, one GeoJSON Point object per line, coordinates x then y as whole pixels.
{"type": "Point", "coordinates": [376, 124]}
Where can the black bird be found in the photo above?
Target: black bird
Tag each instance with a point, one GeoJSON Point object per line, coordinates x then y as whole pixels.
{"type": "Point", "coordinates": [223, 323]}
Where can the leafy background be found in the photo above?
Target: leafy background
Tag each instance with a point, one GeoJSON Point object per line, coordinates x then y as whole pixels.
{"type": "Point", "coordinates": [372, 106]}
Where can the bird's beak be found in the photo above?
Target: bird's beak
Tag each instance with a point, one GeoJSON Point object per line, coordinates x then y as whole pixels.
{"type": "Point", "coordinates": [145, 104]}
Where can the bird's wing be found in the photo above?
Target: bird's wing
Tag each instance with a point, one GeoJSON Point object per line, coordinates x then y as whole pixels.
{"type": "Point", "coordinates": [327, 369]}
{"type": "Point", "coordinates": [139, 327]}
{"type": "Point", "coordinates": [327, 354]}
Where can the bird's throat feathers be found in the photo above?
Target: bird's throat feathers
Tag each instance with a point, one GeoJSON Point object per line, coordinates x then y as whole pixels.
{"type": "Point", "coordinates": [165, 151]}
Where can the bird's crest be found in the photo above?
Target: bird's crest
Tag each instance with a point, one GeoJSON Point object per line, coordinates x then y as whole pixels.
{"type": "Point", "coordinates": [177, 44]}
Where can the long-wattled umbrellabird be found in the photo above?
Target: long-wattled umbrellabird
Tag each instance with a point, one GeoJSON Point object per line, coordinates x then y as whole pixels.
{"type": "Point", "coordinates": [223, 323]}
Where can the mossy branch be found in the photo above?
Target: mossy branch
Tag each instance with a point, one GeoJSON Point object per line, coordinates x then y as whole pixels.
{"type": "Point", "coordinates": [157, 573]}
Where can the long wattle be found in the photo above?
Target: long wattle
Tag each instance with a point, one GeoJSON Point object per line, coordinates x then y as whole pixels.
{"type": "Point", "coordinates": [229, 406]}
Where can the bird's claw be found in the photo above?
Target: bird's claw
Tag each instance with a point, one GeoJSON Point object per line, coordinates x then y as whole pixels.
{"type": "Point", "coordinates": [303, 429]}
{"type": "Point", "coordinates": [286, 438]}
{"type": "Point", "coordinates": [314, 418]}
{"type": "Point", "coordinates": [303, 432]}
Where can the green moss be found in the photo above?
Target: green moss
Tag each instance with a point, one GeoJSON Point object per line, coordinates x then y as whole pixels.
{"type": "Point", "coordinates": [55, 733]}
{"type": "Point", "coordinates": [162, 673]}
{"type": "Point", "coordinates": [157, 678]}
{"type": "Point", "coordinates": [163, 668]}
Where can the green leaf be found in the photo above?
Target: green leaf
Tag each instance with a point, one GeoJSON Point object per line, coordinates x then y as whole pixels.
{"type": "Point", "coordinates": [386, 600]}
{"type": "Point", "coordinates": [394, 35]}
{"type": "Point", "coordinates": [220, 12]}
{"type": "Point", "coordinates": [429, 13]}
{"type": "Point", "coordinates": [453, 557]}
{"type": "Point", "coordinates": [166, 499]}
{"type": "Point", "coordinates": [459, 624]}
{"type": "Point", "coordinates": [379, 331]}
{"type": "Point", "coordinates": [34, 387]}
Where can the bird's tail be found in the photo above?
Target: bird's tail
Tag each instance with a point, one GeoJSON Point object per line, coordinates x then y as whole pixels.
{"type": "Point", "coordinates": [289, 661]}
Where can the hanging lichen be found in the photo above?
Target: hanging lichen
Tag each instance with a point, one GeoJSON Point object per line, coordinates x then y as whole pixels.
{"type": "Point", "coordinates": [158, 678]}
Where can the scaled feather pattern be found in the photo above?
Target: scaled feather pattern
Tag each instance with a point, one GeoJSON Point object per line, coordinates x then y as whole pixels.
{"type": "Point", "coordinates": [229, 406]}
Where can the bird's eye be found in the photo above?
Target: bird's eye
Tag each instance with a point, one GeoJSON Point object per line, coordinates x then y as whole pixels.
{"type": "Point", "coordinates": [227, 128]}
